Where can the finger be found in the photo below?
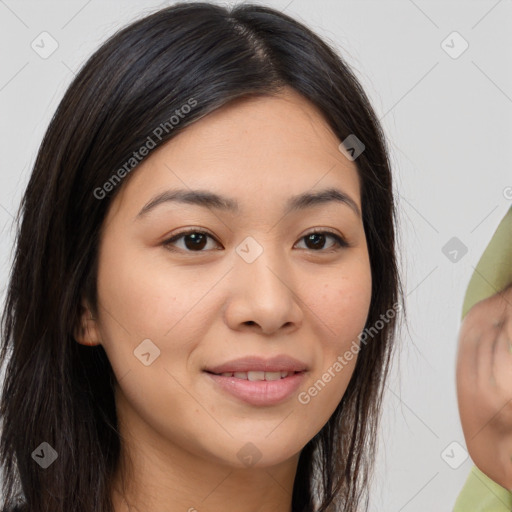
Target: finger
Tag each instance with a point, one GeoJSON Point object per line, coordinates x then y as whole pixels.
{"type": "Point", "coordinates": [486, 349]}
{"type": "Point", "coordinates": [502, 364]}
{"type": "Point", "coordinates": [467, 358]}
{"type": "Point", "coordinates": [507, 320]}
{"type": "Point", "coordinates": [469, 343]}
{"type": "Point", "coordinates": [497, 353]}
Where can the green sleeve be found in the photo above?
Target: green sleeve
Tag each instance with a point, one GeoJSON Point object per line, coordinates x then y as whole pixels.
{"type": "Point", "coordinates": [494, 270]}
{"type": "Point", "coordinates": [481, 494]}
{"type": "Point", "coordinates": [492, 275]}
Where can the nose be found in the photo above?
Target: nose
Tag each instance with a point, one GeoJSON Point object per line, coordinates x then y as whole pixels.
{"type": "Point", "coordinates": [263, 296]}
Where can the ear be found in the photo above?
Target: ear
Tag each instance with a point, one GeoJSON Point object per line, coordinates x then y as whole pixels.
{"type": "Point", "coordinates": [86, 331]}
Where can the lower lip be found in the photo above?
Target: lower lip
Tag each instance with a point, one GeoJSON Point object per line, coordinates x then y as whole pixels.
{"type": "Point", "coordinates": [260, 392]}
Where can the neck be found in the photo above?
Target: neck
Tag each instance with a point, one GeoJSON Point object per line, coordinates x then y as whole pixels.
{"type": "Point", "coordinates": [196, 485]}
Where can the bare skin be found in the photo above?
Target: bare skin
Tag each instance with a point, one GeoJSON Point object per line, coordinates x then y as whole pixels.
{"type": "Point", "coordinates": [207, 306]}
{"type": "Point", "coordinates": [484, 385]}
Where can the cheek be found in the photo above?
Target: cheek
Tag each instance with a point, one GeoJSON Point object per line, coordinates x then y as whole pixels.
{"type": "Point", "coordinates": [344, 305]}
{"type": "Point", "coordinates": [145, 295]}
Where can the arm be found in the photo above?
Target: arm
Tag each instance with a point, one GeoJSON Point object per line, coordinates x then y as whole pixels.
{"type": "Point", "coordinates": [484, 377]}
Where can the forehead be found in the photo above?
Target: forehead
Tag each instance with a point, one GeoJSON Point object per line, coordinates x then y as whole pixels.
{"type": "Point", "coordinates": [279, 121]}
{"type": "Point", "coordinates": [272, 146]}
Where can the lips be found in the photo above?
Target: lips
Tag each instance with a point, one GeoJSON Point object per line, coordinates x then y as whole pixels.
{"type": "Point", "coordinates": [254, 376]}
{"type": "Point", "coordinates": [259, 381]}
{"type": "Point", "coordinates": [255, 364]}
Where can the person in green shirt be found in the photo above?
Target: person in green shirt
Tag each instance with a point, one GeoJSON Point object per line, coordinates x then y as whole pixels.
{"type": "Point", "coordinates": [484, 377]}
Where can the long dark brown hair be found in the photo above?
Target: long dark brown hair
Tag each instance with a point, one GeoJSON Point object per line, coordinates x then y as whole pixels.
{"type": "Point", "coordinates": [60, 392]}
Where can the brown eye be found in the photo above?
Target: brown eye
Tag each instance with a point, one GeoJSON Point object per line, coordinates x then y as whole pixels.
{"type": "Point", "coordinates": [317, 239]}
{"type": "Point", "coordinates": [194, 240]}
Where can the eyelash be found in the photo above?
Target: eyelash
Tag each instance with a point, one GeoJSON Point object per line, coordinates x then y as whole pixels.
{"type": "Point", "coordinates": [340, 242]}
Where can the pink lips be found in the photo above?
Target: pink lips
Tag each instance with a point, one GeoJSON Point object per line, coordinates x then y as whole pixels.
{"type": "Point", "coordinates": [259, 392]}
{"type": "Point", "coordinates": [281, 363]}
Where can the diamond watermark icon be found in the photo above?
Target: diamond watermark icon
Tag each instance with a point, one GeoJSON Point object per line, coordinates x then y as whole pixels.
{"type": "Point", "coordinates": [44, 455]}
{"type": "Point", "coordinates": [146, 352]}
{"type": "Point", "coordinates": [249, 249]}
{"type": "Point", "coordinates": [249, 454]}
{"type": "Point", "coordinates": [44, 45]}
{"type": "Point", "coordinates": [454, 455]}
{"type": "Point", "coordinates": [454, 45]}
{"type": "Point", "coordinates": [351, 147]}
{"type": "Point", "coordinates": [454, 249]}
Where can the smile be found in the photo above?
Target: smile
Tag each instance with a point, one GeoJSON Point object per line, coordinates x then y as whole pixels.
{"type": "Point", "coordinates": [254, 376]}
{"type": "Point", "coordinates": [258, 388]}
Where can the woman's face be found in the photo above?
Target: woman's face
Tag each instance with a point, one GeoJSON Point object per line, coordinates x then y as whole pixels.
{"type": "Point", "coordinates": [251, 284]}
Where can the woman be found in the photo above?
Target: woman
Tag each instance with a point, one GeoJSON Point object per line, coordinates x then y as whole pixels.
{"type": "Point", "coordinates": [203, 301]}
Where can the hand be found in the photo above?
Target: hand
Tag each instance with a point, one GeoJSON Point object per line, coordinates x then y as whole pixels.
{"type": "Point", "coordinates": [484, 385]}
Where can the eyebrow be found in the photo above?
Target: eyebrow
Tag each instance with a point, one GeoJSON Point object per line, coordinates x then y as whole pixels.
{"type": "Point", "coordinates": [208, 199]}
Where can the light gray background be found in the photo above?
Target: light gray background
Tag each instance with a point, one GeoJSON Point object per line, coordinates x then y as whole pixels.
{"type": "Point", "coordinates": [448, 124]}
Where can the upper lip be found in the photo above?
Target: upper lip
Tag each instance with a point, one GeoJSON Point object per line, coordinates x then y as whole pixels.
{"type": "Point", "coordinates": [280, 363]}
